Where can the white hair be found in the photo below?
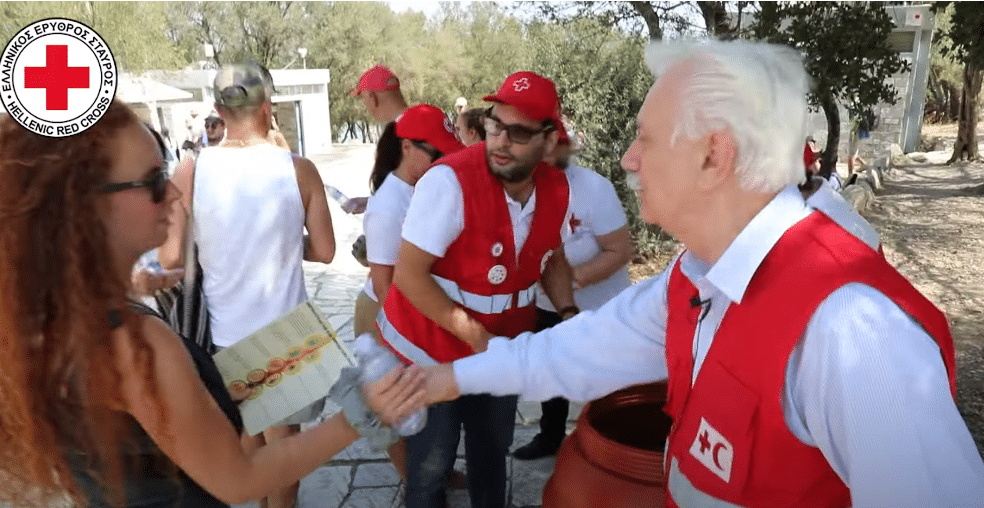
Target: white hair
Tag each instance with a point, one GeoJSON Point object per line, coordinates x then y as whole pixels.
{"type": "Point", "coordinates": [754, 91]}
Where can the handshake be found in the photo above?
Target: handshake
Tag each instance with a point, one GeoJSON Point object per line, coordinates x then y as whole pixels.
{"type": "Point", "coordinates": [376, 409]}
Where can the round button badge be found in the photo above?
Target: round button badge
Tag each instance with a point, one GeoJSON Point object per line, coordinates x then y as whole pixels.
{"type": "Point", "coordinates": [497, 274]}
{"type": "Point", "coordinates": [497, 249]}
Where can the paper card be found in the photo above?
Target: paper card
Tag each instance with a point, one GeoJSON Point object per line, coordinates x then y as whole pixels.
{"type": "Point", "coordinates": [283, 367]}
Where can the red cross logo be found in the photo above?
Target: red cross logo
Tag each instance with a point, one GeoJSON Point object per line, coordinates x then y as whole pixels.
{"type": "Point", "coordinates": [705, 443]}
{"type": "Point", "coordinates": [521, 84]}
{"type": "Point", "coordinates": [56, 77]}
{"type": "Point", "coordinates": [574, 223]}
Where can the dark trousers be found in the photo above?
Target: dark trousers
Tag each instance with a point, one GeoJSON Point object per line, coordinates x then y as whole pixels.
{"type": "Point", "coordinates": [488, 424]}
{"type": "Point", "coordinates": [553, 420]}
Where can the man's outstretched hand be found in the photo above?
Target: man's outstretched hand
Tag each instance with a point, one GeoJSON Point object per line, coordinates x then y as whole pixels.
{"type": "Point", "coordinates": [440, 384]}
{"type": "Point", "coordinates": [355, 206]}
{"type": "Point", "coordinates": [396, 395]}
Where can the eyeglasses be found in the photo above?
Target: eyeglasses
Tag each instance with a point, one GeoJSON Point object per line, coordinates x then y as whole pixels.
{"type": "Point", "coordinates": [433, 152]}
{"type": "Point", "coordinates": [157, 184]}
{"type": "Point", "coordinates": [518, 134]}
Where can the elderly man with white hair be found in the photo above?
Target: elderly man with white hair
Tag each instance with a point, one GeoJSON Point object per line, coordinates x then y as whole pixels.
{"type": "Point", "coordinates": [790, 346]}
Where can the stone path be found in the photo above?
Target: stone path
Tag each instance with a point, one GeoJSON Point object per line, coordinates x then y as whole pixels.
{"type": "Point", "coordinates": [358, 477]}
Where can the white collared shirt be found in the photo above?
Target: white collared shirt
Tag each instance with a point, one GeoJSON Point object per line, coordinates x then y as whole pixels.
{"type": "Point", "coordinates": [437, 213]}
{"type": "Point", "coordinates": [866, 385]}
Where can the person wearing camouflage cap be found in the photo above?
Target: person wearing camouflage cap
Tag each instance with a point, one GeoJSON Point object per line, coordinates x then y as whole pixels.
{"type": "Point", "coordinates": [250, 201]}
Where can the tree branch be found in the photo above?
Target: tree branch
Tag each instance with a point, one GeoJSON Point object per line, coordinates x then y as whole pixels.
{"type": "Point", "coordinates": [645, 9]}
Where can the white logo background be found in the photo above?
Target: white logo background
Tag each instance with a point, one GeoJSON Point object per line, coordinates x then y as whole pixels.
{"type": "Point", "coordinates": [713, 450]}
{"type": "Point", "coordinates": [84, 49]}
{"type": "Point", "coordinates": [35, 99]}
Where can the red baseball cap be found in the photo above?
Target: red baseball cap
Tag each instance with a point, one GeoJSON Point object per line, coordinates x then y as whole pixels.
{"type": "Point", "coordinates": [377, 79]}
{"type": "Point", "coordinates": [532, 94]}
{"type": "Point", "coordinates": [424, 122]}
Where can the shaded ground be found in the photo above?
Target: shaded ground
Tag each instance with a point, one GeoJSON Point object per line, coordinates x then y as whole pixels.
{"type": "Point", "coordinates": [931, 231]}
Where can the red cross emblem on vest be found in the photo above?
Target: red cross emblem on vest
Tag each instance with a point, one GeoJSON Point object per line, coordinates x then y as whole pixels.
{"type": "Point", "coordinates": [712, 450]}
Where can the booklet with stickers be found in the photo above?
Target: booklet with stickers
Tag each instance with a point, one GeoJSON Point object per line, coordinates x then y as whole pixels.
{"type": "Point", "coordinates": [283, 367]}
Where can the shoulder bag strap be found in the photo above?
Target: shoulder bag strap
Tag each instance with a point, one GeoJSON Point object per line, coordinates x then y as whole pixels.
{"type": "Point", "coordinates": [190, 259]}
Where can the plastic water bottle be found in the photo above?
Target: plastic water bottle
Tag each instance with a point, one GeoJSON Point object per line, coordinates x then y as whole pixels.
{"type": "Point", "coordinates": [337, 195]}
{"type": "Point", "coordinates": [148, 261]}
{"type": "Point", "coordinates": [376, 361]}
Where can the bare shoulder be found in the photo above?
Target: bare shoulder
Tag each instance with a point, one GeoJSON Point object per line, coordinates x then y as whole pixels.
{"type": "Point", "coordinates": [307, 173]}
{"type": "Point", "coordinates": [167, 347]}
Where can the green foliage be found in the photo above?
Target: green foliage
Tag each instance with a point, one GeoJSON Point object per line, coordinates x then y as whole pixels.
{"type": "Point", "coordinates": [134, 31]}
{"type": "Point", "coordinates": [963, 42]}
{"type": "Point", "coordinates": [945, 76]}
{"type": "Point", "coordinates": [268, 33]}
{"type": "Point", "coordinates": [602, 84]}
{"type": "Point", "coordinates": [963, 38]}
{"type": "Point", "coordinates": [845, 47]}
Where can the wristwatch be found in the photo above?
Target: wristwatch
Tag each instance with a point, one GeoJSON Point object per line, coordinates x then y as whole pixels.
{"type": "Point", "coordinates": [573, 310]}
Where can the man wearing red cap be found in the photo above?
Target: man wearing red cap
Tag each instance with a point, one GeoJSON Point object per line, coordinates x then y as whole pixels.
{"type": "Point", "coordinates": [484, 226]}
{"type": "Point", "coordinates": [380, 91]}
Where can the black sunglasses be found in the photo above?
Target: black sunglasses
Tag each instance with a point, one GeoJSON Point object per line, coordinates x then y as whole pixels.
{"type": "Point", "coordinates": [157, 184]}
{"type": "Point", "coordinates": [433, 152]}
{"type": "Point", "coordinates": [518, 134]}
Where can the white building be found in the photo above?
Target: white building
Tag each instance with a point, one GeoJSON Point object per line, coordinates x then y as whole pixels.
{"type": "Point", "coordinates": [300, 104]}
{"type": "Point", "coordinates": [899, 123]}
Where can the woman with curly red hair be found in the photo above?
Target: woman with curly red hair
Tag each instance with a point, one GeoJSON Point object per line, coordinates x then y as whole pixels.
{"type": "Point", "coordinates": [98, 398]}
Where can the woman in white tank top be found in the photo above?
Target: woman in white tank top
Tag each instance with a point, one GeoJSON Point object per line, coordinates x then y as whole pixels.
{"type": "Point", "coordinates": [407, 148]}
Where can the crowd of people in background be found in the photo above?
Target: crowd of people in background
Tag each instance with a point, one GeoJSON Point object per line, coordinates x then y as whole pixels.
{"type": "Point", "coordinates": [497, 268]}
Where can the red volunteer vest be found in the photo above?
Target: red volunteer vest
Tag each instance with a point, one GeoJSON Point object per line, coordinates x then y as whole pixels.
{"type": "Point", "coordinates": [729, 437]}
{"type": "Point", "coordinates": [480, 270]}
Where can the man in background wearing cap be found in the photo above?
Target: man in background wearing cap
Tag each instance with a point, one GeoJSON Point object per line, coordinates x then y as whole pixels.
{"type": "Point", "coordinates": [214, 130]}
{"type": "Point", "coordinates": [484, 226]}
{"type": "Point", "coordinates": [251, 201]}
{"type": "Point", "coordinates": [380, 91]}
{"type": "Point", "coordinates": [599, 251]}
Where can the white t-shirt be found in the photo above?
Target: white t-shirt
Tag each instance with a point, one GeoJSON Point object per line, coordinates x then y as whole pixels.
{"type": "Point", "coordinates": [383, 221]}
{"type": "Point", "coordinates": [596, 211]}
{"type": "Point", "coordinates": [437, 213]}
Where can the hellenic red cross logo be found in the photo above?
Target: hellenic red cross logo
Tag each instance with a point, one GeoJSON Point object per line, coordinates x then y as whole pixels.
{"type": "Point", "coordinates": [56, 77]}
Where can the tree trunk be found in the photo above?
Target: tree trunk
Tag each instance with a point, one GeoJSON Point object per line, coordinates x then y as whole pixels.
{"type": "Point", "coordinates": [828, 159]}
{"type": "Point", "coordinates": [966, 144]}
{"type": "Point", "coordinates": [716, 19]}
{"type": "Point", "coordinates": [649, 15]}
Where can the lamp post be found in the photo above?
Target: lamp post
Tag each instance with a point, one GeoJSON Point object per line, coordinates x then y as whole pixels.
{"type": "Point", "coordinates": [303, 53]}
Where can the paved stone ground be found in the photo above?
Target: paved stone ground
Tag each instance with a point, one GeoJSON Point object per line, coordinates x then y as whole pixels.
{"type": "Point", "coordinates": [358, 477]}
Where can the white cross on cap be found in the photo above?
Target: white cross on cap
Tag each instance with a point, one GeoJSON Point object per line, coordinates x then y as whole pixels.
{"type": "Point", "coordinates": [521, 84]}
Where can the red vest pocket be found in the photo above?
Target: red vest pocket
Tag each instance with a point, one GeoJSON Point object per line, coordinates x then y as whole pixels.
{"type": "Point", "coordinates": [714, 443]}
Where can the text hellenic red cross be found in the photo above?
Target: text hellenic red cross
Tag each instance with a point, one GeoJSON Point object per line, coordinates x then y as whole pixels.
{"type": "Point", "coordinates": [56, 77]}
